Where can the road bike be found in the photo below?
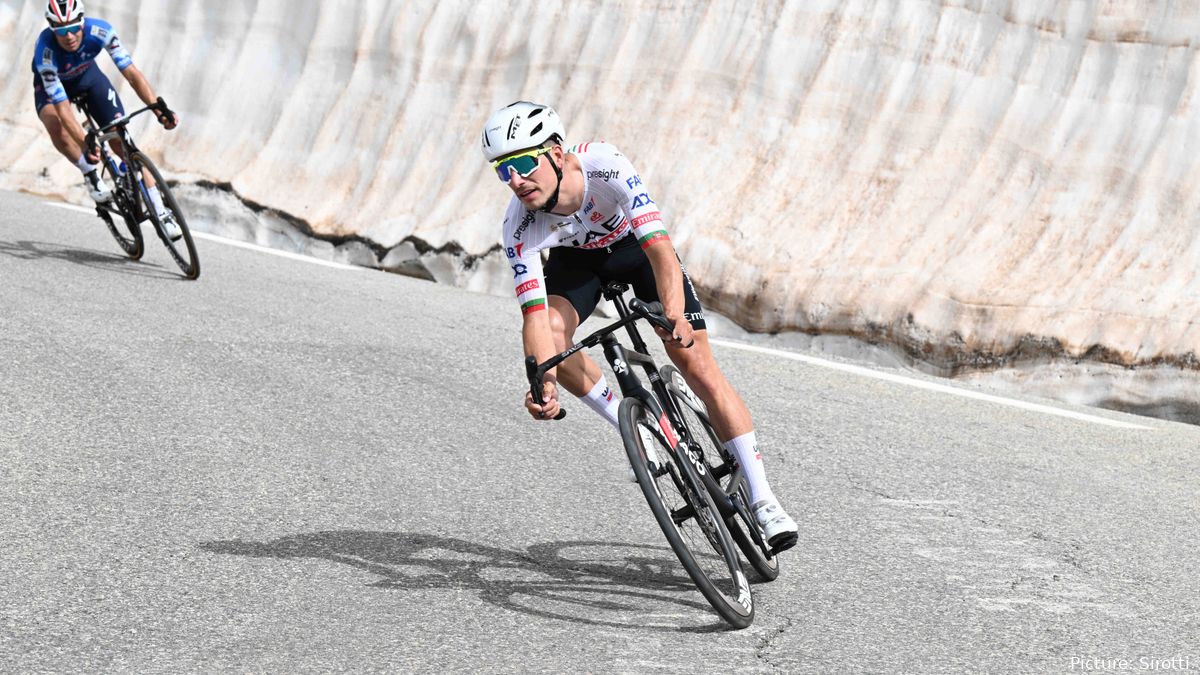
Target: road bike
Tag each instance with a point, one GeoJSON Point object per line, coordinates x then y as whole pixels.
{"type": "Point", "coordinates": [694, 487]}
{"type": "Point", "coordinates": [130, 197]}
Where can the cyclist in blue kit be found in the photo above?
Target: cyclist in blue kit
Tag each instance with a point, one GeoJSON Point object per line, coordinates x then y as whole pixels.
{"type": "Point", "coordinates": [64, 68]}
{"type": "Point", "coordinates": [587, 207]}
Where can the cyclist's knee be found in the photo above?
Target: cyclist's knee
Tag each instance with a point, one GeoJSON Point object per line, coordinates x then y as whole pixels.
{"type": "Point", "coordinates": [700, 370]}
{"type": "Point", "coordinates": [50, 119]}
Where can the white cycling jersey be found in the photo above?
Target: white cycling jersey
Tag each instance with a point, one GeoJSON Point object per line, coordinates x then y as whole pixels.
{"type": "Point", "coordinates": [615, 205]}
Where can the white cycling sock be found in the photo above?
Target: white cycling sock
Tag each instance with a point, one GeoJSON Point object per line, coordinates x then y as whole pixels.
{"type": "Point", "coordinates": [84, 165]}
{"type": "Point", "coordinates": [745, 449]}
{"type": "Point", "coordinates": [604, 401]}
{"type": "Point", "coordinates": [156, 200]}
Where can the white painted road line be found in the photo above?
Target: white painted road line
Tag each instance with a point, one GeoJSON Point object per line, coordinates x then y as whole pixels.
{"type": "Point", "coordinates": [931, 386]}
{"type": "Point", "coordinates": [71, 207]}
{"type": "Point", "coordinates": [282, 254]}
{"type": "Point", "coordinates": [238, 244]}
{"type": "Point", "coordinates": [811, 360]}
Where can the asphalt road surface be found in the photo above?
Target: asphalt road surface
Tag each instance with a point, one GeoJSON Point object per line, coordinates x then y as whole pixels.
{"type": "Point", "coordinates": [286, 466]}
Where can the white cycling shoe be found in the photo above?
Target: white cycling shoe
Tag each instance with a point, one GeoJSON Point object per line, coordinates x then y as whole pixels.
{"type": "Point", "coordinates": [98, 190]}
{"type": "Point", "coordinates": [170, 227]}
{"type": "Point", "coordinates": [779, 529]}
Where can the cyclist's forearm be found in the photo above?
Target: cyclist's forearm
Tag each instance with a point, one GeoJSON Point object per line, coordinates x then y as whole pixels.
{"type": "Point", "coordinates": [538, 341]}
{"type": "Point", "coordinates": [141, 86]}
{"type": "Point", "coordinates": [668, 277]}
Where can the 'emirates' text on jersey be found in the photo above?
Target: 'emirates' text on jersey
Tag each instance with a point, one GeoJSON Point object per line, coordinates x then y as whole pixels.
{"type": "Point", "coordinates": [54, 65]}
{"type": "Point", "coordinates": [615, 205]}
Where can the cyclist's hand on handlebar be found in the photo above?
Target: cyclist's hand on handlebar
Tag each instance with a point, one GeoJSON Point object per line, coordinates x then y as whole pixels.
{"type": "Point", "coordinates": [169, 119]}
{"type": "Point", "coordinates": [93, 153]}
{"type": "Point", "coordinates": [166, 117]}
{"type": "Point", "coordinates": [550, 409]}
{"type": "Point", "coordinates": [683, 335]}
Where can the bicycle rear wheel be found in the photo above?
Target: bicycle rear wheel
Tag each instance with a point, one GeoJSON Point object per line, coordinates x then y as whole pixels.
{"type": "Point", "coordinates": [695, 417]}
{"type": "Point", "coordinates": [183, 250]}
{"type": "Point", "coordinates": [689, 519]}
{"type": "Point", "coordinates": [127, 232]}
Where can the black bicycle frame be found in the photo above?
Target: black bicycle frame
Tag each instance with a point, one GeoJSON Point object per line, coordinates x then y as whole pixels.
{"type": "Point", "coordinates": [675, 431]}
{"type": "Point", "coordinates": [98, 138]}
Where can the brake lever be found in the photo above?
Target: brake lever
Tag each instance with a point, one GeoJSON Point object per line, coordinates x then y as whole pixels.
{"type": "Point", "coordinates": [652, 312]}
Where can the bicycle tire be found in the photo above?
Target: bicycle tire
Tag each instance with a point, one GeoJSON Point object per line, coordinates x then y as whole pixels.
{"type": "Point", "coordinates": [191, 265]}
{"type": "Point", "coordinates": [695, 417]}
{"type": "Point", "coordinates": [701, 542]}
{"type": "Point", "coordinates": [133, 244]}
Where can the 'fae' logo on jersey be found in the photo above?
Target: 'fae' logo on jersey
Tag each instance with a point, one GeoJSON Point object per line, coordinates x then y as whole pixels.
{"type": "Point", "coordinates": [514, 251]}
{"type": "Point", "coordinates": [634, 182]}
{"type": "Point", "coordinates": [642, 200]}
{"type": "Point", "coordinates": [590, 205]}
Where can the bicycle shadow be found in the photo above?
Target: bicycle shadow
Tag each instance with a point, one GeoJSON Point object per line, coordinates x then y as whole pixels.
{"type": "Point", "coordinates": [38, 250]}
{"type": "Point", "coordinates": [610, 584]}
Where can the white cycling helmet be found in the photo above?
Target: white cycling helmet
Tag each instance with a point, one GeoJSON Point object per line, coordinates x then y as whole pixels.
{"type": "Point", "coordinates": [520, 126]}
{"type": "Point", "coordinates": [64, 11]}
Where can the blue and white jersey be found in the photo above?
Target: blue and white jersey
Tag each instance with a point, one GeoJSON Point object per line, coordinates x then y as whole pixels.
{"type": "Point", "coordinates": [54, 65]}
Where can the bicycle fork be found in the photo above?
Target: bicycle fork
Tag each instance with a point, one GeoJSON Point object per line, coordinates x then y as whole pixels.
{"type": "Point", "coordinates": [673, 432]}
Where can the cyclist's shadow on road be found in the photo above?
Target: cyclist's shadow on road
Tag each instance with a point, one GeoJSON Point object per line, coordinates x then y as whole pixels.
{"type": "Point", "coordinates": [37, 250]}
{"type": "Point", "coordinates": [589, 582]}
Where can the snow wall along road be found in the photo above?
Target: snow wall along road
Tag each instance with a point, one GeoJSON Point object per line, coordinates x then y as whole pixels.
{"type": "Point", "coordinates": [999, 189]}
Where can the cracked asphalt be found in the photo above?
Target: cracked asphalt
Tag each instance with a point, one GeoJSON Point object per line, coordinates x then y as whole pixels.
{"type": "Point", "coordinates": [285, 467]}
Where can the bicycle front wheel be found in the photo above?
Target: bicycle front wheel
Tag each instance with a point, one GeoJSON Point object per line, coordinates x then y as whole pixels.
{"type": "Point", "coordinates": [183, 250]}
{"type": "Point", "coordinates": [686, 513]}
{"type": "Point", "coordinates": [740, 526]}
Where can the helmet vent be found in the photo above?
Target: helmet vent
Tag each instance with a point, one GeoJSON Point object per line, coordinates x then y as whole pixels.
{"type": "Point", "coordinates": [536, 112]}
{"type": "Point", "coordinates": [536, 129]}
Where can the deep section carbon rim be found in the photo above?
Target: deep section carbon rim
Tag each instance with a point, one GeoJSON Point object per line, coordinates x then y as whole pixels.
{"type": "Point", "coordinates": [687, 516]}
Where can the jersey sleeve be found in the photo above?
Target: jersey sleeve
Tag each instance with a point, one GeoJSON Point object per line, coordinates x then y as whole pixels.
{"type": "Point", "coordinates": [634, 198]}
{"type": "Point", "coordinates": [529, 280]}
{"type": "Point", "coordinates": [112, 43]}
{"type": "Point", "coordinates": [47, 72]}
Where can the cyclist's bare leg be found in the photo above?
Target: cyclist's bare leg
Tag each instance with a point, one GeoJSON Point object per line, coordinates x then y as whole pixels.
{"type": "Point", "coordinates": [731, 421]}
{"type": "Point", "coordinates": [60, 134]}
{"type": "Point", "coordinates": [579, 373]}
{"type": "Point", "coordinates": [726, 410]}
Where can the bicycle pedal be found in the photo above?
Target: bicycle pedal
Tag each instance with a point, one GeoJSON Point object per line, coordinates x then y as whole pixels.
{"type": "Point", "coordinates": [782, 542]}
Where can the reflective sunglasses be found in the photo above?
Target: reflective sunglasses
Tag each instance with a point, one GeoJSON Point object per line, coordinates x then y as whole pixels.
{"type": "Point", "coordinates": [524, 164]}
{"type": "Point", "coordinates": [68, 29]}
